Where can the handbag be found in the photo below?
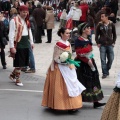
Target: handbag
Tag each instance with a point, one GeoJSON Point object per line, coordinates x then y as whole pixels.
{"type": "Point", "coordinates": [69, 24]}
{"type": "Point", "coordinates": [4, 41]}
{"type": "Point", "coordinates": [44, 25]}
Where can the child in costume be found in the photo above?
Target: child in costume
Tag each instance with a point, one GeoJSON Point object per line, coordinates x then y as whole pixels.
{"type": "Point", "coordinates": [86, 51]}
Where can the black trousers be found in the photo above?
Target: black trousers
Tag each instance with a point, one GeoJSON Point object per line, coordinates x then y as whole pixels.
{"type": "Point", "coordinates": [2, 55]}
{"type": "Point", "coordinates": [38, 34]}
{"type": "Point", "coordinates": [75, 23]}
{"type": "Point", "coordinates": [49, 35]}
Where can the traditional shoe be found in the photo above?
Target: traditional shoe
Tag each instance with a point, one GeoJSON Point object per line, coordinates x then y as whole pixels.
{"type": "Point", "coordinates": [72, 111]}
{"type": "Point", "coordinates": [30, 71]}
{"type": "Point", "coordinates": [12, 77]}
{"type": "Point", "coordinates": [19, 83]}
{"type": "Point", "coordinates": [97, 104]}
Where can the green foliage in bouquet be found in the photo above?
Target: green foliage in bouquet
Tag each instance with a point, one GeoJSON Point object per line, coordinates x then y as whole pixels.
{"type": "Point", "coordinates": [71, 61]}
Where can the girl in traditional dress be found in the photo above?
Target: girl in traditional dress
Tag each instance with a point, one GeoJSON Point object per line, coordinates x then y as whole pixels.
{"type": "Point", "coordinates": [112, 108]}
{"type": "Point", "coordinates": [62, 90]}
{"type": "Point", "coordinates": [86, 75]}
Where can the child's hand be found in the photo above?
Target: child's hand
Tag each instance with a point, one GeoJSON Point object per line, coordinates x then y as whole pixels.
{"type": "Point", "coordinates": [71, 66]}
{"type": "Point", "coordinates": [90, 63]}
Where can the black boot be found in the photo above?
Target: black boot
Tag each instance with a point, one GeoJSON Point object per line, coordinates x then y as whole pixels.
{"type": "Point", "coordinates": [97, 104]}
{"type": "Point", "coordinates": [72, 111]}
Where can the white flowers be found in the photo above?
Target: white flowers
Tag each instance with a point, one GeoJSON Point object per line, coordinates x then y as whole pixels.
{"type": "Point", "coordinates": [64, 56]}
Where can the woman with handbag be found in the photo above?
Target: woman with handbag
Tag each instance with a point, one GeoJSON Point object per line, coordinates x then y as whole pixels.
{"type": "Point", "coordinates": [49, 23]}
{"type": "Point", "coordinates": [3, 42]}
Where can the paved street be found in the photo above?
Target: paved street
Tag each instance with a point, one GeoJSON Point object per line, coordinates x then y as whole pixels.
{"type": "Point", "coordinates": [24, 103]}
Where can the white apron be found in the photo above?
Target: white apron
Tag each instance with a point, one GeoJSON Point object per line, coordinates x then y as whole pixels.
{"type": "Point", "coordinates": [74, 87]}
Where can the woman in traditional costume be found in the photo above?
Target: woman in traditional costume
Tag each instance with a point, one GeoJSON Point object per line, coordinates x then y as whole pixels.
{"type": "Point", "coordinates": [87, 73]}
{"type": "Point", "coordinates": [112, 108]}
{"type": "Point", "coordinates": [62, 90]}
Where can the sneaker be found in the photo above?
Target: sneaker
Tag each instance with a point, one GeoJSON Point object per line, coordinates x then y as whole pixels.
{"type": "Point", "coordinates": [104, 76]}
{"type": "Point", "coordinates": [19, 83]}
{"type": "Point", "coordinates": [12, 77]}
{"type": "Point", "coordinates": [30, 71]}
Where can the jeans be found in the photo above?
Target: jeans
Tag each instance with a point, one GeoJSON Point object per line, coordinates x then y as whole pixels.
{"type": "Point", "coordinates": [31, 59]}
{"type": "Point", "coordinates": [107, 57]}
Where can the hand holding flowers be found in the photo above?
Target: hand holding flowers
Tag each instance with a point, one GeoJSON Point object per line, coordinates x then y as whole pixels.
{"type": "Point", "coordinates": [65, 57]}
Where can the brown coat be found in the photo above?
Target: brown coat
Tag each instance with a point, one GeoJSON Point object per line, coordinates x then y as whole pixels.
{"type": "Point", "coordinates": [39, 15]}
{"type": "Point", "coordinates": [104, 37]}
{"type": "Point", "coordinates": [50, 19]}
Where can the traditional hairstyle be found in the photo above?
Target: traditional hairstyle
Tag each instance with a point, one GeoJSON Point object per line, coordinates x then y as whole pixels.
{"type": "Point", "coordinates": [82, 27]}
{"type": "Point", "coordinates": [27, 21]}
{"type": "Point", "coordinates": [61, 30]}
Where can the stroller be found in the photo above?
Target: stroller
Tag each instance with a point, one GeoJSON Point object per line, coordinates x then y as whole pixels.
{"type": "Point", "coordinates": [73, 36]}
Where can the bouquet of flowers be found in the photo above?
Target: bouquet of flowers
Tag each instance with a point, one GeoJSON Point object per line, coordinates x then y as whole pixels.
{"type": "Point", "coordinates": [65, 57]}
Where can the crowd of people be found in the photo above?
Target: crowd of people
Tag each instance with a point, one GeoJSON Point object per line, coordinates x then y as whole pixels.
{"type": "Point", "coordinates": [68, 82]}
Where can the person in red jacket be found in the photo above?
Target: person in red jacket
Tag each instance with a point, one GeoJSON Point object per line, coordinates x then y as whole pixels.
{"type": "Point", "coordinates": [84, 9]}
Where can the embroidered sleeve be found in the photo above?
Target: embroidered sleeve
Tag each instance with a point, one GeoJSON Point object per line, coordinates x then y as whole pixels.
{"type": "Point", "coordinates": [84, 50]}
{"type": "Point", "coordinates": [56, 54]}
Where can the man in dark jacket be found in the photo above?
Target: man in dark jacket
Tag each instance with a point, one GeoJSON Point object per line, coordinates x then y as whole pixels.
{"type": "Point", "coordinates": [6, 6]}
{"type": "Point", "coordinates": [105, 38]}
{"type": "Point", "coordinates": [3, 42]}
{"type": "Point", "coordinates": [39, 15]}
